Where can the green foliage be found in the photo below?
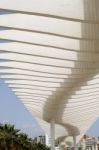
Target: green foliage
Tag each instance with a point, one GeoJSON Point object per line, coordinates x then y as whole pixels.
{"type": "Point", "coordinates": [13, 139]}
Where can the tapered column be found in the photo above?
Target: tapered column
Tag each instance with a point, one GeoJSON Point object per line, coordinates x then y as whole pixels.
{"type": "Point", "coordinates": [74, 142]}
{"type": "Point", "coordinates": [52, 134]}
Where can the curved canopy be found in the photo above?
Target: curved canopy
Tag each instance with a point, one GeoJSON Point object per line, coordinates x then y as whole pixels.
{"type": "Point", "coordinates": [49, 56]}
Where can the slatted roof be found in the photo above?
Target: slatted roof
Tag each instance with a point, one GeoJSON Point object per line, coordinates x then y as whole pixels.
{"type": "Point", "coordinates": [49, 56]}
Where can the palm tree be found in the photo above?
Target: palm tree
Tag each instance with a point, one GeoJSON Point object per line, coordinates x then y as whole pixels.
{"type": "Point", "coordinates": [8, 134]}
{"type": "Point", "coordinates": [42, 147]}
{"type": "Point", "coordinates": [23, 140]}
{"type": "Point", "coordinates": [13, 139]}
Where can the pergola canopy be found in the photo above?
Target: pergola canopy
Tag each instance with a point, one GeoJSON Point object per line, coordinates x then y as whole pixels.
{"type": "Point", "coordinates": [49, 56]}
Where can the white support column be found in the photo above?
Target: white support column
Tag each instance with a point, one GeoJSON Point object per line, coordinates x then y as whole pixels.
{"type": "Point", "coordinates": [74, 142]}
{"type": "Point", "coordinates": [52, 134]}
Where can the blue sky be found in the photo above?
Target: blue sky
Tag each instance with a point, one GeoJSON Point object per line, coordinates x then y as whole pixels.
{"type": "Point", "coordinates": [94, 129]}
{"type": "Point", "coordinates": [14, 112]}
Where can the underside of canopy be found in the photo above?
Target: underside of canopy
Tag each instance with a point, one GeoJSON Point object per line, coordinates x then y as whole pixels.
{"type": "Point", "coordinates": [49, 56]}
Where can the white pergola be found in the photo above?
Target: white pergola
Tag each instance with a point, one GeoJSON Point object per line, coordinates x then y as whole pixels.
{"type": "Point", "coordinates": [49, 56]}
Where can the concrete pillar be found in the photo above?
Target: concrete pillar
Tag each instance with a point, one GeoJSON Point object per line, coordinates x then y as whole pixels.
{"type": "Point", "coordinates": [52, 134]}
{"type": "Point", "coordinates": [74, 142]}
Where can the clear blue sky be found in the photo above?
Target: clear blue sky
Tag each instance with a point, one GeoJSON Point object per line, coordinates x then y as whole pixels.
{"type": "Point", "coordinates": [14, 112]}
{"type": "Point", "coordinates": [94, 129]}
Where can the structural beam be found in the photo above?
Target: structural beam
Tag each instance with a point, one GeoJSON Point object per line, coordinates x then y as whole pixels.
{"type": "Point", "coordinates": [74, 142]}
{"type": "Point", "coordinates": [52, 134]}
